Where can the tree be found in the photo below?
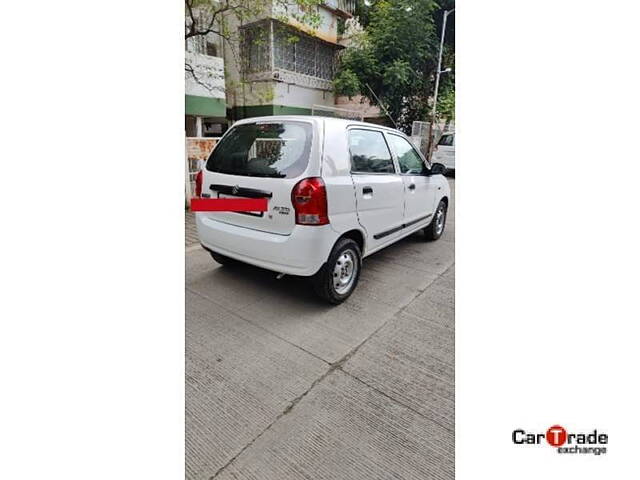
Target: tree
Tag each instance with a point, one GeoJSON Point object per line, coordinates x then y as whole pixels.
{"type": "Point", "coordinates": [396, 57]}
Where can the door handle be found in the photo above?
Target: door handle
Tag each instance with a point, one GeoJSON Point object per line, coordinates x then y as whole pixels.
{"type": "Point", "coordinates": [412, 186]}
{"type": "Point", "coordinates": [366, 190]}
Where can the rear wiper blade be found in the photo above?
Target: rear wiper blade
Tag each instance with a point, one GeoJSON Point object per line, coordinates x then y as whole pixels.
{"type": "Point", "coordinates": [251, 174]}
{"type": "Point", "coordinates": [273, 175]}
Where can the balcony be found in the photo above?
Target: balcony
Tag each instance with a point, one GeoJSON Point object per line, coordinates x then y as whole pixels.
{"type": "Point", "coordinates": [344, 8]}
{"type": "Point", "coordinates": [269, 55]}
{"type": "Point", "coordinates": [209, 75]}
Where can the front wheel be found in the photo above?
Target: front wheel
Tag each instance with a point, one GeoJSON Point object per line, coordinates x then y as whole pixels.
{"type": "Point", "coordinates": [338, 277]}
{"type": "Point", "coordinates": [436, 228]}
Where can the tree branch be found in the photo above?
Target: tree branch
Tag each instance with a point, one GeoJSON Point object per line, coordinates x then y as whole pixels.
{"type": "Point", "coordinates": [188, 68]}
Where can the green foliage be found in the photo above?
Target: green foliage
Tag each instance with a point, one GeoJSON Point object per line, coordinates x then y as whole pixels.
{"type": "Point", "coordinates": [397, 57]}
{"type": "Point", "coordinates": [347, 83]}
{"type": "Point", "coordinates": [447, 104]}
{"type": "Point", "coordinates": [398, 75]}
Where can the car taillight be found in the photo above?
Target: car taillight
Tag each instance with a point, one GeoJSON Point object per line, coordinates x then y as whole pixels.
{"type": "Point", "coordinates": [199, 184]}
{"type": "Point", "coordinates": [309, 199]}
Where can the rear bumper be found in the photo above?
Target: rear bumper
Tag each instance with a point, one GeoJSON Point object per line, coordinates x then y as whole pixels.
{"type": "Point", "coordinates": [301, 253]}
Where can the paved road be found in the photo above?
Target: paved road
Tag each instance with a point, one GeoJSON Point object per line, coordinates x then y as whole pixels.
{"type": "Point", "coordinates": [282, 386]}
{"type": "Point", "coordinates": [190, 232]}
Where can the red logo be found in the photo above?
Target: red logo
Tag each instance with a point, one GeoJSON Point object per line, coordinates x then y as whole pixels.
{"type": "Point", "coordinates": [556, 436]}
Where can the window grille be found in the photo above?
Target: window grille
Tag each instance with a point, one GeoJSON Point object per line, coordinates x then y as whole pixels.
{"type": "Point", "coordinates": [256, 49]}
{"type": "Point", "coordinates": [284, 49]}
{"type": "Point", "coordinates": [303, 54]}
{"type": "Point", "coordinates": [292, 51]}
{"type": "Point", "coordinates": [326, 61]}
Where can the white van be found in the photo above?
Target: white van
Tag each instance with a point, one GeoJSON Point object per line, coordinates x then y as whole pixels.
{"type": "Point", "coordinates": [445, 152]}
{"type": "Point", "coordinates": [338, 190]}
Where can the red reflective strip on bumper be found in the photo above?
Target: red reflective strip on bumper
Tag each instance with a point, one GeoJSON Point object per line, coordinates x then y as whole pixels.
{"type": "Point", "coordinates": [229, 204]}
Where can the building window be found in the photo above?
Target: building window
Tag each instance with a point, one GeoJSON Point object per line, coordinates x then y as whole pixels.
{"type": "Point", "coordinates": [256, 48]}
{"type": "Point", "coordinates": [212, 127]}
{"type": "Point", "coordinates": [292, 51]}
{"type": "Point", "coordinates": [203, 45]}
{"type": "Point", "coordinates": [212, 49]}
{"type": "Point", "coordinates": [284, 49]}
{"type": "Point", "coordinates": [303, 54]}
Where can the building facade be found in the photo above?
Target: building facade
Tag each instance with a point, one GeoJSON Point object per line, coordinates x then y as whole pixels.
{"type": "Point", "coordinates": [205, 92]}
{"type": "Point", "coordinates": [282, 66]}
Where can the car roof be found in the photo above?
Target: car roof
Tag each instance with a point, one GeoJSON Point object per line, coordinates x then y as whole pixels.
{"type": "Point", "coordinates": [314, 118]}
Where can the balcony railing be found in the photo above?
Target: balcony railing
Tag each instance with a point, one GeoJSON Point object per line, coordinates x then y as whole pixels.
{"type": "Point", "coordinates": [344, 6]}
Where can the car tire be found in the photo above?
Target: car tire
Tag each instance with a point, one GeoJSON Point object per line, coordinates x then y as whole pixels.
{"type": "Point", "coordinates": [222, 260]}
{"type": "Point", "coordinates": [338, 277]}
{"type": "Point", "coordinates": [435, 229]}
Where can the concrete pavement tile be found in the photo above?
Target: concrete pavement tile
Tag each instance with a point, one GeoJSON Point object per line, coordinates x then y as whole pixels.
{"type": "Point", "coordinates": [440, 294]}
{"type": "Point", "coordinates": [190, 230]}
{"type": "Point", "coordinates": [239, 379]}
{"type": "Point", "coordinates": [436, 303]}
{"type": "Point", "coordinates": [449, 233]}
{"type": "Point", "coordinates": [232, 286]}
{"type": "Point", "coordinates": [424, 307]}
{"type": "Point", "coordinates": [291, 310]}
{"type": "Point", "coordinates": [391, 284]}
{"type": "Point", "coordinates": [198, 263]}
{"type": "Point", "coordinates": [417, 255]}
{"type": "Point", "coordinates": [411, 360]}
{"type": "Point", "coordinates": [345, 430]}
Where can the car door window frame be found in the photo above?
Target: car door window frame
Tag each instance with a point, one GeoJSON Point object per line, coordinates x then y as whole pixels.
{"type": "Point", "coordinates": [427, 166]}
{"type": "Point", "coordinates": [396, 170]}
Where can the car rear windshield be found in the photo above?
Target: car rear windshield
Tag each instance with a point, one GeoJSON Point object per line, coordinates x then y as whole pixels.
{"type": "Point", "coordinates": [446, 140]}
{"type": "Point", "coordinates": [279, 150]}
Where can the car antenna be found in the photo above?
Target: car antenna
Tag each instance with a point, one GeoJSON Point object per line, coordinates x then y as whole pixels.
{"type": "Point", "coordinates": [382, 106]}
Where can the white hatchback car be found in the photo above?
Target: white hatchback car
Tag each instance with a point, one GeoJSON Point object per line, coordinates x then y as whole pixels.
{"type": "Point", "coordinates": [338, 190]}
{"type": "Point", "coordinates": [445, 152]}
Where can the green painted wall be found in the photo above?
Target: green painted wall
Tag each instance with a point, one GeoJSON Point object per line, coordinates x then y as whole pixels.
{"type": "Point", "coordinates": [204, 106]}
{"type": "Point", "coordinates": [238, 113]}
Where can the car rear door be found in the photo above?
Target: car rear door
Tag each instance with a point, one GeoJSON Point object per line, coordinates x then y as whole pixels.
{"type": "Point", "coordinates": [419, 188]}
{"type": "Point", "coordinates": [262, 159]}
{"type": "Point", "coordinates": [379, 189]}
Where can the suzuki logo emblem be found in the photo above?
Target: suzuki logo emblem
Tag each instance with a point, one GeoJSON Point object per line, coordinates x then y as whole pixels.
{"type": "Point", "coordinates": [235, 189]}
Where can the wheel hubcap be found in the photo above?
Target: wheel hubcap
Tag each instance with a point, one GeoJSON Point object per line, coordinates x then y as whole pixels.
{"type": "Point", "coordinates": [440, 220]}
{"type": "Point", "coordinates": [345, 272]}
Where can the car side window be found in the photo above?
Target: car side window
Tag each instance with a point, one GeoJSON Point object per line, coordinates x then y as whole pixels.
{"type": "Point", "coordinates": [446, 140]}
{"type": "Point", "coordinates": [408, 159]}
{"type": "Point", "coordinates": [369, 152]}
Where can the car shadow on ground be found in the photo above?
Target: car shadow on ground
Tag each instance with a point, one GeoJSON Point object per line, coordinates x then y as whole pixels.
{"type": "Point", "coordinates": [259, 283]}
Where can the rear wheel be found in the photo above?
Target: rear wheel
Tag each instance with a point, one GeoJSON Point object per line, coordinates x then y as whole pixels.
{"type": "Point", "coordinates": [222, 260]}
{"type": "Point", "coordinates": [436, 228]}
{"type": "Point", "coordinates": [338, 277]}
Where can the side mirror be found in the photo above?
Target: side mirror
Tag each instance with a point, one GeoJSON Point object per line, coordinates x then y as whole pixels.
{"type": "Point", "coordinates": [438, 169]}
